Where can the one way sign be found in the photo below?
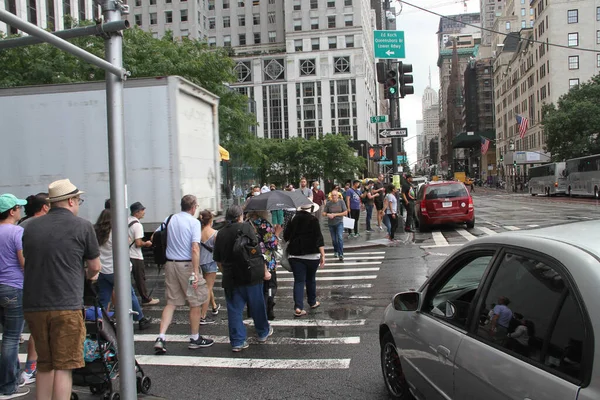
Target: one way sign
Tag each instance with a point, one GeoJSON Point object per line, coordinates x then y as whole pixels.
{"type": "Point", "coordinates": [390, 133]}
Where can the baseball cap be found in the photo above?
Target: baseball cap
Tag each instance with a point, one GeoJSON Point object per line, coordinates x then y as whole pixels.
{"type": "Point", "coordinates": [8, 201]}
{"type": "Point", "coordinates": [135, 207]}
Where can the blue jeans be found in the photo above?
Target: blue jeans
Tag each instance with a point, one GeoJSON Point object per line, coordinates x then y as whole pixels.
{"type": "Point", "coordinates": [337, 237]}
{"type": "Point", "coordinates": [11, 318]}
{"type": "Point", "coordinates": [369, 209]}
{"type": "Point", "coordinates": [237, 298]}
{"type": "Point", "coordinates": [106, 285]}
{"type": "Point", "coordinates": [305, 273]}
{"type": "Point", "coordinates": [388, 223]}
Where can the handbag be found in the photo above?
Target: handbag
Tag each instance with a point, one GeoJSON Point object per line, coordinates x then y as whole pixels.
{"type": "Point", "coordinates": [281, 255]}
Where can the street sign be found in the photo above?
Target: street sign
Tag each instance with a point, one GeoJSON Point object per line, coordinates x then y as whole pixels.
{"type": "Point", "coordinates": [389, 44]}
{"type": "Point", "coordinates": [401, 159]}
{"type": "Point", "coordinates": [388, 162]}
{"type": "Point", "coordinates": [379, 118]}
{"type": "Point", "coordinates": [393, 132]}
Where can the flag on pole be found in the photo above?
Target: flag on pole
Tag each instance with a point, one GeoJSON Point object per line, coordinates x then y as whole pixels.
{"type": "Point", "coordinates": [485, 145]}
{"type": "Point", "coordinates": [523, 124]}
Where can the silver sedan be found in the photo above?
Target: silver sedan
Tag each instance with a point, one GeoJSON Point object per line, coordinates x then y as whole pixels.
{"type": "Point", "coordinates": [509, 316]}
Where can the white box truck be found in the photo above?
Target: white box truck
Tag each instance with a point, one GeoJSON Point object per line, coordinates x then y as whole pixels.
{"type": "Point", "coordinates": [60, 131]}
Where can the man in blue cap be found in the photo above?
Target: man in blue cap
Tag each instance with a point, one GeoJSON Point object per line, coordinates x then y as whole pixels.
{"type": "Point", "coordinates": [11, 294]}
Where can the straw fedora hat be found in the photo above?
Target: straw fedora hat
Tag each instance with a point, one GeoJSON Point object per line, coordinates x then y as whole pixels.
{"type": "Point", "coordinates": [62, 190]}
{"type": "Point", "coordinates": [313, 207]}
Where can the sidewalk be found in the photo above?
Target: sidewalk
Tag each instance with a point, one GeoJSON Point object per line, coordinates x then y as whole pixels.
{"type": "Point", "coordinates": [365, 239]}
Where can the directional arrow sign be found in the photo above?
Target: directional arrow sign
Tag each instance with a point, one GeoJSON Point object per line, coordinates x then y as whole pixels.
{"type": "Point", "coordinates": [389, 133]}
{"type": "Point", "coordinates": [389, 44]}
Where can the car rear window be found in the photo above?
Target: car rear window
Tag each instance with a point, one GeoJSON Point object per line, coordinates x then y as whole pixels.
{"type": "Point", "coordinates": [446, 191]}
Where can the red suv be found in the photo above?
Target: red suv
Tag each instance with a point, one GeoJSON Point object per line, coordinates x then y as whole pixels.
{"type": "Point", "coordinates": [444, 202]}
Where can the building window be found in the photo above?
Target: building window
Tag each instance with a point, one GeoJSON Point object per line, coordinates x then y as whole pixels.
{"type": "Point", "coordinates": [531, 24]}
{"type": "Point", "coordinates": [273, 70]}
{"type": "Point", "coordinates": [298, 45]}
{"type": "Point", "coordinates": [211, 5]}
{"type": "Point", "coordinates": [138, 19]}
{"type": "Point", "coordinates": [226, 6]}
{"type": "Point", "coordinates": [272, 36]}
{"type": "Point", "coordinates": [331, 4]}
{"type": "Point", "coordinates": [341, 65]}
{"type": "Point", "coordinates": [314, 23]}
{"type": "Point", "coordinates": [241, 20]}
{"type": "Point", "coordinates": [212, 41]}
{"type": "Point", "coordinates": [243, 70]}
{"type": "Point", "coordinates": [347, 2]}
{"type": "Point", "coordinates": [597, 13]}
{"type": "Point", "coordinates": [256, 37]}
{"type": "Point", "coordinates": [314, 44]}
{"type": "Point", "coordinates": [275, 111]}
{"type": "Point", "coordinates": [50, 17]}
{"type": "Point", "coordinates": [331, 21]}
{"type": "Point", "coordinates": [241, 4]}
{"type": "Point", "coordinates": [153, 19]}
{"type": "Point", "coordinates": [138, 3]}
{"type": "Point", "coordinates": [242, 39]}
{"type": "Point", "coordinates": [573, 83]}
{"type": "Point", "coordinates": [184, 15]}
{"type": "Point", "coordinates": [348, 20]}
{"type": "Point", "coordinates": [212, 24]}
{"type": "Point", "coordinates": [227, 40]}
{"type": "Point", "coordinates": [271, 17]}
{"type": "Point", "coordinates": [522, 12]}
{"type": "Point", "coordinates": [572, 16]}
{"type": "Point", "coordinates": [297, 24]}
{"type": "Point", "coordinates": [314, 4]}
{"type": "Point", "coordinates": [573, 39]}
{"type": "Point", "coordinates": [32, 11]}
{"type": "Point", "coordinates": [523, 24]}
{"type": "Point", "coordinates": [333, 42]}
{"type": "Point", "coordinates": [522, 1]}
{"type": "Point", "coordinates": [508, 26]}
{"type": "Point", "coordinates": [168, 1]}
{"type": "Point", "coordinates": [349, 40]}
{"type": "Point", "coordinates": [597, 37]}
{"type": "Point", "coordinates": [308, 67]}
{"type": "Point", "coordinates": [226, 22]}
{"type": "Point", "coordinates": [256, 19]}
{"type": "Point", "coordinates": [152, 2]}
{"type": "Point", "coordinates": [531, 12]}
{"type": "Point", "coordinates": [169, 17]}
{"type": "Point", "coordinates": [255, 3]}
{"type": "Point", "coordinates": [598, 60]}
{"type": "Point", "coordinates": [297, 6]}
{"type": "Point", "coordinates": [271, 1]}
{"type": "Point", "coordinates": [573, 62]}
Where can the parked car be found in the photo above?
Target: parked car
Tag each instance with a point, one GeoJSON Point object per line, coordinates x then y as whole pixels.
{"type": "Point", "coordinates": [509, 316]}
{"type": "Point", "coordinates": [444, 202]}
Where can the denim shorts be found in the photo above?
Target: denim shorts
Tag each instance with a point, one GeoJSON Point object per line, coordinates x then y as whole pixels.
{"type": "Point", "coordinates": [209, 268]}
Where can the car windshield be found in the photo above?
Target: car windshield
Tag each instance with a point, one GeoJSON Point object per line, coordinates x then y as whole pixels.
{"type": "Point", "coordinates": [446, 191]}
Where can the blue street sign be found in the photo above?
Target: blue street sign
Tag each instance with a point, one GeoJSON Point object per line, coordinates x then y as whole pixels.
{"type": "Point", "coordinates": [389, 44]}
{"type": "Point", "coordinates": [388, 162]}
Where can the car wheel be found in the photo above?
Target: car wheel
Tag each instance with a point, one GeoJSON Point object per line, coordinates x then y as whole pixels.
{"type": "Point", "coordinates": [471, 223]}
{"type": "Point", "coordinates": [596, 193]}
{"type": "Point", "coordinates": [393, 375]}
{"type": "Point", "coordinates": [423, 227]}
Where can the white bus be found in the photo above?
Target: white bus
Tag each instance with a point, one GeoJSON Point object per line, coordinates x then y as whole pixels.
{"type": "Point", "coordinates": [583, 176]}
{"type": "Point", "coordinates": [547, 179]}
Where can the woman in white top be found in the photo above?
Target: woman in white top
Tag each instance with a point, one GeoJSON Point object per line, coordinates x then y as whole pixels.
{"type": "Point", "coordinates": [390, 211]}
{"type": "Point", "coordinates": [106, 278]}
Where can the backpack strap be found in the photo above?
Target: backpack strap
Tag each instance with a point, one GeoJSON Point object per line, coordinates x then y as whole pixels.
{"type": "Point", "coordinates": [129, 226]}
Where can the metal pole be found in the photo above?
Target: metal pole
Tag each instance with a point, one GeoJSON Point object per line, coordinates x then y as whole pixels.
{"type": "Point", "coordinates": [118, 187]}
{"type": "Point", "coordinates": [62, 44]}
{"type": "Point", "coordinates": [92, 30]}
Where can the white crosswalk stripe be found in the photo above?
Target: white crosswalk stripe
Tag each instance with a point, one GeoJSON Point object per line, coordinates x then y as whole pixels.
{"type": "Point", "coordinates": [459, 236]}
{"type": "Point", "coordinates": [466, 234]}
{"type": "Point", "coordinates": [439, 239]}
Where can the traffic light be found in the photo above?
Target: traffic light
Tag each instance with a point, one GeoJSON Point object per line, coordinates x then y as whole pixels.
{"type": "Point", "coordinates": [375, 153]}
{"type": "Point", "coordinates": [501, 157]}
{"type": "Point", "coordinates": [515, 164]}
{"type": "Point", "coordinates": [391, 85]}
{"type": "Point", "coordinates": [405, 79]}
{"type": "Point", "coordinates": [381, 71]}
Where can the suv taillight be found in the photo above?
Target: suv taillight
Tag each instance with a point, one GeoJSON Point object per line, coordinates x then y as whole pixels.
{"type": "Point", "coordinates": [423, 206]}
{"type": "Point", "coordinates": [470, 202]}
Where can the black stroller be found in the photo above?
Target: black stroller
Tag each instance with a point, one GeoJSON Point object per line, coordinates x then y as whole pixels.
{"type": "Point", "coordinates": [101, 352]}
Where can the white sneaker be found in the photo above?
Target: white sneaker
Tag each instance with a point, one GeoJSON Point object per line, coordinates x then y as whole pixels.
{"type": "Point", "coordinates": [28, 377]}
{"type": "Point", "coordinates": [20, 392]}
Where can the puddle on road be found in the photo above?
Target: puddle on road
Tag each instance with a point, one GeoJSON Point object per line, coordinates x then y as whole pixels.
{"type": "Point", "coordinates": [349, 312]}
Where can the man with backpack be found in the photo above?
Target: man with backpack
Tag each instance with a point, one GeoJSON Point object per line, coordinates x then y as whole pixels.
{"type": "Point", "coordinates": [183, 281]}
{"type": "Point", "coordinates": [239, 257]}
{"type": "Point", "coordinates": [136, 238]}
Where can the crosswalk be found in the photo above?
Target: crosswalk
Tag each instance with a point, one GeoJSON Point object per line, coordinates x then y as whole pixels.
{"type": "Point", "coordinates": [458, 236]}
{"type": "Point", "coordinates": [339, 281]}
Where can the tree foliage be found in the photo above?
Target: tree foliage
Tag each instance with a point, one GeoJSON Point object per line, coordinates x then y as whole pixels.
{"type": "Point", "coordinates": [572, 126]}
{"type": "Point", "coordinates": [143, 56]}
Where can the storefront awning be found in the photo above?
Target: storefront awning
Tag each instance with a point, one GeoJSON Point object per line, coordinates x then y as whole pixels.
{"type": "Point", "coordinates": [223, 154]}
{"type": "Point", "coordinates": [464, 140]}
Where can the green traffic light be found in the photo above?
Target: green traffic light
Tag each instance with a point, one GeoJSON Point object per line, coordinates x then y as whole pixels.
{"type": "Point", "coordinates": [392, 90]}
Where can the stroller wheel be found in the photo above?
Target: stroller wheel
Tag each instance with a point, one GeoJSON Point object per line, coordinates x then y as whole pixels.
{"type": "Point", "coordinates": [96, 389]}
{"type": "Point", "coordinates": [144, 384]}
{"type": "Point", "coordinates": [74, 396]}
{"type": "Point", "coordinates": [113, 396]}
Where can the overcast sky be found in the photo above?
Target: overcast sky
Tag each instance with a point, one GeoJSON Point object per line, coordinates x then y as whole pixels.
{"type": "Point", "coordinates": [420, 37]}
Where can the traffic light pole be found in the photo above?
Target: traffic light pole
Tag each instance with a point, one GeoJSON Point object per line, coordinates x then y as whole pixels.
{"type": "Point", "coordinates": [392, 105]}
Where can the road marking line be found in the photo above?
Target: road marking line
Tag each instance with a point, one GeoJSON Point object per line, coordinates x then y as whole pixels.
{"type": "Point", "coordinates": [366, 258]}
{"type": "Point", "coordinates": [272, 340]}
{"type": "Point", "coordinates": [359, 254]}
{"type": "Point", "coordinates": [533, 226]}
{"type": "Point", "coordinates": [439, 239]}
{"type": "Point", "coordinates": [334, 278]}
{"type": "Point", "coordinates": [312, 322]}
{"type": "Point", "coordinates": [512, 228]}
{"type": "Point", "coordinates": [466, 234]}
{"type": "Point", "coordinates": [487, 231]}
{"type": "Point", "coordinates": [437, 246]}
{"type": "Point", "coordinates": [338, 270]}
{"type": "Point", "coordinates": [281, 270]}
{"type": "Point", "coordinates": [250, 363]}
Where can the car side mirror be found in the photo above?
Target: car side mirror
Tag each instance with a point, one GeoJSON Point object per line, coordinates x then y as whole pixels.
{"type": "Point", "coordinates": [406, 301]}
{"type": "Point", "coordinates": [450, 310]}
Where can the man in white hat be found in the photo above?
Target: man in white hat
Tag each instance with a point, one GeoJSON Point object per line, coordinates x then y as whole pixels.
{"type": "Point", "coordinates": [56, 247]}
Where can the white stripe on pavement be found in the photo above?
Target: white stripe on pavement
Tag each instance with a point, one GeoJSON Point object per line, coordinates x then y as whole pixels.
{"type": "Point", "coordinates": [533, 226]}
{"type": "Point", "coordinates": [439, 239]}
{"type": "Point", "coordinates": [352, 286]}
{"type": "Point", "coordinates": [334, 278]}
{"type": "Point", "coordinates": [216, 362]}
{"type": "Point", "coordinates": [271, 340]}
{"type": "Point", "coordinates": [312, 322]}
{"type": "Point", "coordinates": [487, 231]}
{"type": "Point", "coordinates": [359, 254]}
{"type": "Point", "coordinates": [466, 234]}
{"type": "Point", "coordinates": [512, 228]}
{"type": "Point", "coordinates": [437, 246]}
{"type": "Point", "coordinates": [326, 270]}
{"type": "Point", "coordinates": [344, 263]}
{"type": "Point", "coordinates": [356, 258]}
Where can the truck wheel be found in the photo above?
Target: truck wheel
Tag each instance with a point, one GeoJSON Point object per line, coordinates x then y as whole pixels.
{"type": "Point", "coordinates": [569, 192]}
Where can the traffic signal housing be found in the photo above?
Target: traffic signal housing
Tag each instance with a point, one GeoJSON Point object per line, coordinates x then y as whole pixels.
{"type": "Point", "coordinates": [405, 79]}
{"type": "Point", "coordinates": [391, 85]}
{"type": "Point", "coordinates": [375, 153]}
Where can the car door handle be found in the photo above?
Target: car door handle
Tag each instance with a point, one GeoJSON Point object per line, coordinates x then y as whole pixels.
{"type": "Point", "coordinates": [443, 351]}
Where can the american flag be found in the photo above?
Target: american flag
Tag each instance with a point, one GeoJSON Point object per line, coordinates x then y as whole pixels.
{"type": "Point", "coordinates": [485, 145]}
{"type": "Point", "coordinates": [523, 124]}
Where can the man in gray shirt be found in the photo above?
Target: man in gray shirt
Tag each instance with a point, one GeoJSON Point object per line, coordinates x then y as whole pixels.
{"type": "Point", "coordinates": [305, 189]}
{"type": "Point", "coordinates": [335, 211]}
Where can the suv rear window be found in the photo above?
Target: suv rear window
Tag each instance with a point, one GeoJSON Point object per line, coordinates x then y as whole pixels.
{"type": "Point", "coordinates": [446, 191]}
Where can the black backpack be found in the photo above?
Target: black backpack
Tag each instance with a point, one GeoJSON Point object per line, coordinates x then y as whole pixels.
{"type": "Point", "coordinates": [249, 267]}
{"type": "Point", "coordinates": [159, 243]}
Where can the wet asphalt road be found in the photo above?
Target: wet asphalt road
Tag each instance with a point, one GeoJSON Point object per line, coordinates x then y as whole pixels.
{"type": "Point", "coordinates": [345, 364]}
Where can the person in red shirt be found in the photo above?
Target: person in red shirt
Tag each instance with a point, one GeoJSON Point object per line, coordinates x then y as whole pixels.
{"type": "Point", "coordinates": [318, 195]}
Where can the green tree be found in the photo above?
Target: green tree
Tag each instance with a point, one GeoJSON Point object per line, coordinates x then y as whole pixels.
{"type": "Point", "coordinates": [572, 126]}
{"type": "Point", "coordinates": [144, 56]}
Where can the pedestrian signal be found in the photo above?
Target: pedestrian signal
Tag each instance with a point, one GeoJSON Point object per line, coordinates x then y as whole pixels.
{"type": "Point", "coordinates": [375, 153]}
